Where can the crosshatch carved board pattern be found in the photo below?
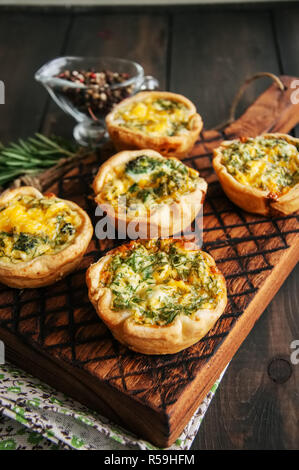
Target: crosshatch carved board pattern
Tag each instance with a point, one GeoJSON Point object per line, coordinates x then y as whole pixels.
{"type": "Point", "coordinates": [54, 332]}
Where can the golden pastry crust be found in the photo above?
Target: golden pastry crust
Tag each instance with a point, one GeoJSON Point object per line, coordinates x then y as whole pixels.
{"type": "Point", "coordinates": [250, 198]}
{"type": "Point", "coordinates": [171, 338]}
{"type": "Point", "coordinates": [177, 145]}
{"type": "Point", "coordinates": [166, 220]}
{"type": "Point", "coordinates": [48, 268]}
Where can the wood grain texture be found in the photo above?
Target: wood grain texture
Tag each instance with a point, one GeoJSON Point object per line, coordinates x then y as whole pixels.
{"type": "Point", "coordinates": [153, 396]}
{"type": "Point", "coordinates": [287, 35]}
{"type": "Point", "coordinates": [113, 35]}
{"type": "Point", "coordinates": [222, 48]}
{"type": "Point", "coordinates": [253, 410]}
{"type": "Point", "coordinates": [23, 41]}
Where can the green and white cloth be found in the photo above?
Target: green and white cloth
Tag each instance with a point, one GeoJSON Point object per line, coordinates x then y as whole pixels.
{"type": "Point", "coordinates": [34, 416]}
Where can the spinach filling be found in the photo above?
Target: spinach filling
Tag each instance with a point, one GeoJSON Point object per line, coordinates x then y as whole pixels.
{"type": "Point", "coordinates": [35, 245]}
{"type": "Point", "coordinates": [142, 164]}
{"type": "Point", "coordinates": [19, 245]}
{"type": "Point", "coordinates": [268, 163]}
{"type": "Point", "coordinates": [25, 242]}
{"type": "Point", "coordinates": [168, 105]}
{"type": "Point", "coordinates": [163, 178]}
{"type": "Point", "coordinates": [174, 112]}
{"type": "Point", "coordinates": [158, 283]}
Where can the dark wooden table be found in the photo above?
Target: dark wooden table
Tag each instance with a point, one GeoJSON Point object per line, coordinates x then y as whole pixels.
{"type": "Point", "coordinates": [204, 53]}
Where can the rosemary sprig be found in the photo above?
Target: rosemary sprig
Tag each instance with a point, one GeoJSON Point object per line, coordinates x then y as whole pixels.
{"type": "Point", "coordinates": [33, 155]}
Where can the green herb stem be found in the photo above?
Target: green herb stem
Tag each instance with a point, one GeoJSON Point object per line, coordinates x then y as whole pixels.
{"type": "Point", "coordinates": [33, 155]}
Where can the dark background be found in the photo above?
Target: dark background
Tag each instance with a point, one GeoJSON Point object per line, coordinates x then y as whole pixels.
{"type": "Point", "coordinates": [204, 53]}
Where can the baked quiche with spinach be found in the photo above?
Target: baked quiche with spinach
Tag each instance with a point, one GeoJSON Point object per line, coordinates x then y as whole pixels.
{"type": "Point", "coordinates": [157, 296]}
{"type": "Point", "coordinates": [260, 174]}
{"type": "Point", "coordinates": [163, 121]}
{"type": "Point", "coordinates": [140, 187]}
{"type": "Point", "coordinates": [42, 237]}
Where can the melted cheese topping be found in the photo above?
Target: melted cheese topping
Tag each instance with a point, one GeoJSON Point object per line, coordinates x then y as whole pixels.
{"type": "Point", "coordinates": [268, 164]}
{"type": "Point", "coordinates": [155, 117]}
{"type": "Point", "coordinates": [145, 182]}
{"type": "Point", "coordinates": [156, 280]}
{"type": "Point", "coordinates": [30, 227]}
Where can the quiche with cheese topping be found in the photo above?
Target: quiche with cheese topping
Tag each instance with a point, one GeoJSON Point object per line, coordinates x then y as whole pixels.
{"type": "Point", "coordinates": [260, 174]}
{"type": "Point", "coordinates": [157, 296]}
{"type": "Point", "coordinates": [156, 195]}
{"type": "Point", "coordinates": [42, 238]}
{"type": "Point", "coordinates": [163, 121]}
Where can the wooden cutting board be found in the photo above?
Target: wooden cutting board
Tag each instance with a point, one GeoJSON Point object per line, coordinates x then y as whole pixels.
{"type": "Point", "coordinates": [55, 334]}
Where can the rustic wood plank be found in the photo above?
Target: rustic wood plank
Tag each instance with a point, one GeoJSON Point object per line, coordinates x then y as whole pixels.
{"type": "Point", "coordinates": [214, 52]}
{"type": "Point", "coordinates": [138, 37]}
{"type": "Point", "coordinates": [26, 42]}
{"type": "Point", "coordinates": [251, 410]}
{"type": "Point", "coordinates": [286, 29]}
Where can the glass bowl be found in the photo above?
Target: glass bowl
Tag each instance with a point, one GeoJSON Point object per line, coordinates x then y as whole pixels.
{"type": "Point", "coordinates": [74, 98]}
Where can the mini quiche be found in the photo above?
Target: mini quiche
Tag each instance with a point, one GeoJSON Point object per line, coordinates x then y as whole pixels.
{"type": "Point", "coordinates": [260, 174]}
{"type": "Point", "coordinates": [163, 121]}
{"type": "Point", "coordinates": [42, 238]}
{"type": "Point", "coordinates": [157, 296]}
{"type": "Point", "coordinates": [158, 196]}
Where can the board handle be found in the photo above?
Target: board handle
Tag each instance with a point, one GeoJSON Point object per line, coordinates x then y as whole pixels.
{"type": "Point", "coordinates": [239, 94]}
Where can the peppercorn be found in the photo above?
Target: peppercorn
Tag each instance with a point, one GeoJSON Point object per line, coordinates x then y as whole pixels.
{"type": "Point", "coordinates": [98, 99]}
